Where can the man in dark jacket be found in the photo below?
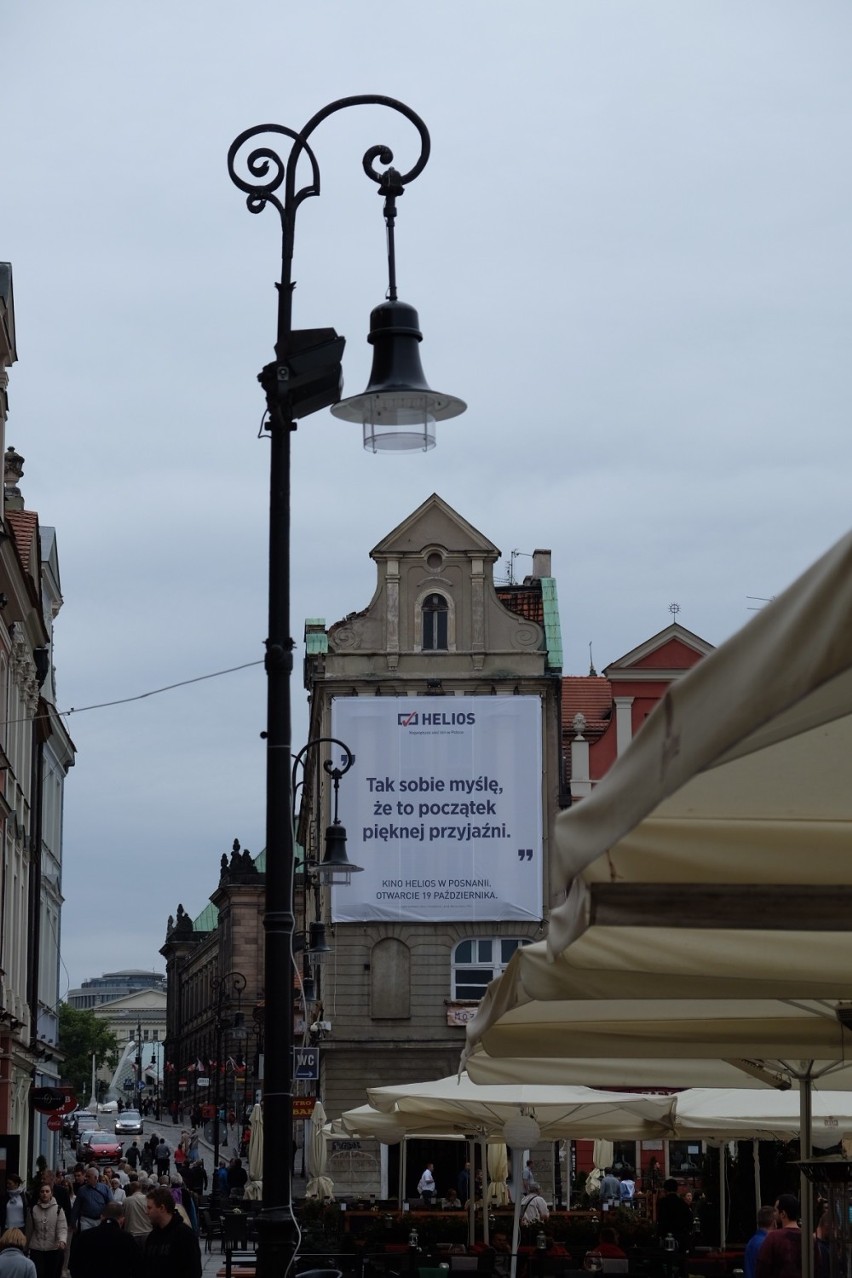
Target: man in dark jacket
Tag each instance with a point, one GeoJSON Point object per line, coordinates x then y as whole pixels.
{"type": "Point", "coordinates": [674, 1216]}
{"type": "Point", "coordinates": [106, 1250]}
{"type": "Point", "coordinates": [171, 1248]}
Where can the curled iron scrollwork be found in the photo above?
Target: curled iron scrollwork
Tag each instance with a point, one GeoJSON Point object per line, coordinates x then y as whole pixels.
{"type": "Point", "coordinates": [269, 177]}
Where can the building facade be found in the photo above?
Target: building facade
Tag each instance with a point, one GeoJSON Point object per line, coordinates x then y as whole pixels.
{"type": "Point", "coordinates": [214, 968]}
{"type": "Point", "coordinates": [439, 649]}
{"type": "Point", "coordinates": [447, 689]}
{"type": "Point", "coordinates": [36, 753]}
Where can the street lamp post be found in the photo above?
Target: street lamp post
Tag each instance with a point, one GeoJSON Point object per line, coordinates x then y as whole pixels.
{"type": "Point", "coordinates": [154, 1066]}
{"type": "Point", "coordinates": [227, 987]}
{"type": "Point", "coordinates": [398, 411]}
{"type": "Point", "coordinates": [138, 1058]}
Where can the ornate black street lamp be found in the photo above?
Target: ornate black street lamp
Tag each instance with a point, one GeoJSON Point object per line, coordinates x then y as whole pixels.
{"type": "Point", "coordinates": [227, 988]}
{"type": "Point", "coordinates": [398, 411]}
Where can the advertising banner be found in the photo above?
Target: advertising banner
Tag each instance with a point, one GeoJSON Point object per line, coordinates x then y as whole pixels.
{"type": "Point", "coordinates": [442, 808]}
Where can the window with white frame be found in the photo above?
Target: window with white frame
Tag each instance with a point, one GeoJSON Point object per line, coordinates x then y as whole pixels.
{"type": "Point", "coordinates": [477, 962]}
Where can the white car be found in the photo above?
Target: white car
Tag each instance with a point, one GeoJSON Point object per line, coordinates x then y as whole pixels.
{"type": "Point", "coordinates": [128, 1123]}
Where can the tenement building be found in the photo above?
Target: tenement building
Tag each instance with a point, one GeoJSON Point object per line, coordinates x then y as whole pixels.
{"type": "Point", "coordinates": [447, 690]}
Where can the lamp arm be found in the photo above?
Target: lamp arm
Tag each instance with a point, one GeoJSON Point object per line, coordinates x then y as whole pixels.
{"type": "Point", "coordinates": [328, 766]}
{"type": "Point", "coordinates": [268, 172]}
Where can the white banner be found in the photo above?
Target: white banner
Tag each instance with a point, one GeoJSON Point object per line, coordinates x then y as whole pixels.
{"type": "Point", "coordinates": [442, 808]}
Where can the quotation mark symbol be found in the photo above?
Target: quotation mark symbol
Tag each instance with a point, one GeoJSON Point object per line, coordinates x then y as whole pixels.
{"type": "Point", "coordinates": [525, 854]}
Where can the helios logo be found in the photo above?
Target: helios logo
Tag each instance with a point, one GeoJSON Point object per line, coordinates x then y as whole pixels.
{"type": "Point", "coordinates": [436, 719]}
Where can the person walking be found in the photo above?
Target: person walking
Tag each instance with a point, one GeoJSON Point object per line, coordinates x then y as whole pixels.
{"type": "Point", "coordinates": [48, 1235]}
{"type": "Point", "coordinates": [426, 1184]}
{"type": "Point", "coordinates": [765, 1222]}
{"type": "Point", "coordinates": [780, 1254]}
{"type": "Point", "coordinates": [530, 1184]}
{"type": "Point", "coordinates": [14, 1206]}
{"type": "Point", "coordinates": [13, 1261]}
{"type": "Point", "coordinates": [106, 1251]}
{"type": "Point", "coordinates": [162, 1157]}
{"type": "Point", "coordinates": [674, 1216]}
{"type": "Point", "coordinates": [137, 1223]}
{"type": "Point", "coordinates": [92, 1196]}
{"type": "Point", "coordinates": [133, 1155]}
{"type": "Point", "coordinates": [171, 1248]}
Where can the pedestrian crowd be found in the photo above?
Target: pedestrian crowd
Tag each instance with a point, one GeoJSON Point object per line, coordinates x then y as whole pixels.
{"type": "Point", "coordinates": [137, 1219]}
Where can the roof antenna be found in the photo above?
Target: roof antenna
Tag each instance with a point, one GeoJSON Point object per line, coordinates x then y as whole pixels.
{"type": "Point", "coordinates": [593, 674]}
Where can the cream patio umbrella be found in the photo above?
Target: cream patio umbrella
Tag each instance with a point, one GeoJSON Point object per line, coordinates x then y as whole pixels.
{"type": "Point", "coordinates": [740, 778]}
{"type": "Point", "coordinates": [319, 1185]}
{"type": "Point", "coordinates": [717, 848]}
{"type": "Point", "coordinates": [255, 1151]}
{"type": "Point", "coordinates": [560, 1112]}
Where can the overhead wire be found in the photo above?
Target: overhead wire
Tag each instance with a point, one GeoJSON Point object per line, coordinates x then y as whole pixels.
{"type": "Point", "coordinates": [139, 696]}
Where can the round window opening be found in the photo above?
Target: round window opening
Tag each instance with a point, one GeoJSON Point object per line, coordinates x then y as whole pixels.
{"type": "Point", "coordinates": [434, 561]}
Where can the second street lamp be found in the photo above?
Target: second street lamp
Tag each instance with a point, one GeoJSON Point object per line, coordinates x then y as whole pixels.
{"type": "Point", "coordinates": [397, 411]}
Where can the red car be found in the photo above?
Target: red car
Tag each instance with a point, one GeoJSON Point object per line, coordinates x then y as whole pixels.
{"type": "Point", "coordinates": [99, 1147]}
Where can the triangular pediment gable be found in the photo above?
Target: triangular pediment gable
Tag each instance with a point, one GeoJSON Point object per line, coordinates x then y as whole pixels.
{"type": "Point", "coordinates": [137, 1001]}
{"type": "Point", "coordinates": [672, 649]}
{"type": "Point", "coordinates": [435, 522]}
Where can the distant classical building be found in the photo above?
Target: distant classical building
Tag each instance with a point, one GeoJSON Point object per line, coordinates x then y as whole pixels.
{"type": "Point", "coordinates": [114, 985]}
{"type": "Point", "coordinates": [138, 1021]}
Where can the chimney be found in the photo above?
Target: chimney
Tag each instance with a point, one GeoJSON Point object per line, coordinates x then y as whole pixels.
{"type": "Point", "coordinates": [541, 564]}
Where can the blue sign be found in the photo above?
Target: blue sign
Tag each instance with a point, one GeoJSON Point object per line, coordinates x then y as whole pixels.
{"type": "Point", "coordinates": [305, 1063]}
{"type": "Point", "coordinates": [140, 1086]}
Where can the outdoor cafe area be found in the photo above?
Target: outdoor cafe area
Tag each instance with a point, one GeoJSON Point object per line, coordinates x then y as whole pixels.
{"type": "Point", "coordinates": [376, 1240]}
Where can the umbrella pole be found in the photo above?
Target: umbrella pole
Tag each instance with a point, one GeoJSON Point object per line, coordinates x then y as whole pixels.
{"type": "Point", "coordinates": [471, 1193]}
{"type": "Point", "coordinates": [755, 1154]}
{"type": "Point", "coordinates": [486, 1227]}
{"type": "Point", "coordinates": [403, 1157]}
{"type": "Point", "coordinates": [517, 1156]}
{"type": "Point", "coordinates": [805, 1151]}
{"type": "Point", "coordinates": [723, 1227]}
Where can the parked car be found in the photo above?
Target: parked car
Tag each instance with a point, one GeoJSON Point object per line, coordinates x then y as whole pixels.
{"type": "Point", "coordinates": [129, 1123]}
{"type": "Point", "coordinates": [99, 1147]}
{"type": "Point", "coordinates": [80, 1120]}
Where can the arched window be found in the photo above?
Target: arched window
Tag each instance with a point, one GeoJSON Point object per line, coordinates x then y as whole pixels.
{"type": "Point", "coordinates": [476, 963]}
{"type": "Point", "coordinates": [390, 980]}
{"type": "Point", "coordinates": [435, 613]}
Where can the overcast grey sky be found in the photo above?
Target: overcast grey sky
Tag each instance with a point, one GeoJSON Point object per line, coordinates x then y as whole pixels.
{"type": "Point", "coordinates": [631, 255]}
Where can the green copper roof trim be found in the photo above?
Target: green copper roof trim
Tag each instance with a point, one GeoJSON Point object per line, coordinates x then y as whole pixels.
{"type": "Point", "coordinates": [208, 919]}
{"type": "Point", "coordinates": [552, 629]}
{"type": "Point", "coordinates": [316, 639]}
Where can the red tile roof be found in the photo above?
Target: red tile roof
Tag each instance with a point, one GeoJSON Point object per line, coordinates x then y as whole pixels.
{"type": "Point", "coordinates": [589, 695]}
{"type": "Point", "coordinates": [526, 601]}
{"type": "Point", "coordinates": [24, 524]}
